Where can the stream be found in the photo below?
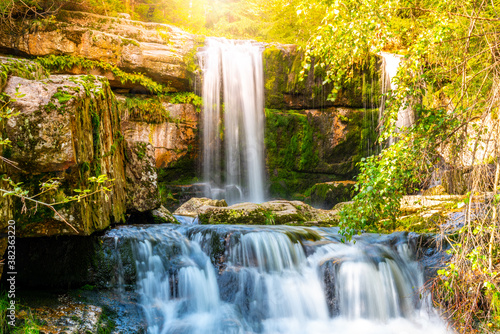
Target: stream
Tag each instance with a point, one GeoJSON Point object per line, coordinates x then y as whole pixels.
{"type": "Point", "coordinates": [273, 279]}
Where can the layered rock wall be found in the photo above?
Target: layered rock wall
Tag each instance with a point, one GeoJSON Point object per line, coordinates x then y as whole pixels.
{"type": "Point", "coordinates": [162, 52]}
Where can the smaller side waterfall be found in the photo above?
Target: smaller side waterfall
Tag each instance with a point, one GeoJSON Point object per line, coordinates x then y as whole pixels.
{"type": "Point", "coordinates": [390, 65]}
{"type": "Point", "coordinates": [232, 70]}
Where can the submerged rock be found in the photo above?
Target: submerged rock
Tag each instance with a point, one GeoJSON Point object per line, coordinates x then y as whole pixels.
{"type": "Point", "coordinates": [69, 318]}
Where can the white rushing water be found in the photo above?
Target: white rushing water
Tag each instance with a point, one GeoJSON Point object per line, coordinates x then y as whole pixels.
{"type": "Point", "coordinates": [269, 284]}
{"type": "Point", "coordinates": [232, 70]}
{"type": "Point", "coordinates": [390, 66]}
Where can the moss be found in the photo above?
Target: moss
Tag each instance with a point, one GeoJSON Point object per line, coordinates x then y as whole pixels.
{"type": "Point", "coordinates": [21, 68]}
{"type": "Point", "coordinates": [67, 62]}
{"type": "Point", "coordinates": [96, 130]}
{"type": "Point", "coordinates": [141, 150]}
{"type": "Point", "coordinates": [190, 58]}
{"type": "Point", "coordinates": [230, 216]}
{"type": "Point", "coordinates": [299, 151]}
{"type": "Point", "coordinates": [126, 41]}
{"type": "Point", "coordinates": [275, 75]}
{"type": "Point", "coordinates": [90, 214]}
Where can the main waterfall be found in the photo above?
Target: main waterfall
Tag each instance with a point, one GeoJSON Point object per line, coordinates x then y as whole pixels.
{"type": "Point", "coordinates": [233, 132]}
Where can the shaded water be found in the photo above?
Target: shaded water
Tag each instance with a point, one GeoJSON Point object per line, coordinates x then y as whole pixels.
{"type": "Point", "coordinates": [233, 131]}
{"type": "Point", "coordinates": [242, 279]}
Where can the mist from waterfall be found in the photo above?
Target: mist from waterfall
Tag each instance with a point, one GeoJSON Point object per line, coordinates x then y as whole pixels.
{"type": "Point", "coordinates": [233, 120]}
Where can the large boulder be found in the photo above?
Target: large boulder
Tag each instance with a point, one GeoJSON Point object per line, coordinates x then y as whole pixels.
{"type": "Point", "coordinates": [163, 52]}
{"type": "Point", "coordinates": [172, 133]}
{"type": "Point", "coordinates": [268, 213]}
{"type": "Point", "coordinates": [191, 208]}
{"type": "Point", "coordinates": [66, 129]}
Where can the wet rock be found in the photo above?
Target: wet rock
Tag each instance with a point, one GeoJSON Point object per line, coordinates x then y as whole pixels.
{"type": "Point", "coordinates": [191, 207]}
{"type": "Point", "coordinates": [268, 213]}
{"type": "Point", "coordinates": [329, 271]}
{"type": "Point", "coordinates": [282, 67]}
{"type": "Point", "coordinates": [162, 215]}
{"type": "Point", "coordinates": [307, 147]}
{"type": "Point", "coordinates": [69, 318]}
{"type": "Point", "coordinates": [142, 188]}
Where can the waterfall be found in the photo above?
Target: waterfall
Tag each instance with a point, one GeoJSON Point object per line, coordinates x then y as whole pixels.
{"type": "Point", "coordinates": [233, 132]}
{"type": "Point", "coordinates": [390, 66]}
{"type": "Point", "coordinates": [238, 279]}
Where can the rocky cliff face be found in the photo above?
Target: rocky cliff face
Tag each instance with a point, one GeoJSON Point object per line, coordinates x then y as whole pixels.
{"type": "Point", "coordinates": [162, 52]}
{"type": "Point", "coordinates": [285, 90]}
{"type": "Point", "coordinates": [315, 146]}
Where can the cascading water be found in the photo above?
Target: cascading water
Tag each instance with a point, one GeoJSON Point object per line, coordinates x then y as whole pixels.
{"type": "Point", "coordinates": [240, 279]}
{"type": "Point", "coordinates": [233, 70]}
{"type": "Point", "coordinates": [390, 65]}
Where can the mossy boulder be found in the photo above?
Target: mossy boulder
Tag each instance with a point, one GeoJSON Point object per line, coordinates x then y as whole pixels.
{"type": "Point", "coordinates": [162, 216]}
{"type": "Point", "coordinates": [67, 128]}
{"type": "Point", "coordinates": [284, 88]}
{"type": "Point", "coordinates": [191, 207]}
{"type": "Point", "coordinates": [268, 213]}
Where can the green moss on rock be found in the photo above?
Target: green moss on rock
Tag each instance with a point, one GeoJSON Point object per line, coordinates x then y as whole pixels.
{"type": "Point", "coordinates": [69, 143]}
{"type": "Point", "coordinates": [316, 146]}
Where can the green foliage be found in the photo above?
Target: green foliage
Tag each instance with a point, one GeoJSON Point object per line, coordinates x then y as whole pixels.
{"type": "Point", "coordinates": [61, 63]}
{"type": "Point", "coordinates": [62, 96]}
{"type": "Point", "coordinates": [29, 324]}
{"type": "Point", "coordinates": [147, 109]}
{"type": "Point", "coordinates": [186, 97]}
{"type": "Point", "coordinates": [153, 109]}
{"type": "Point", "coordinates": [269, 217]}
